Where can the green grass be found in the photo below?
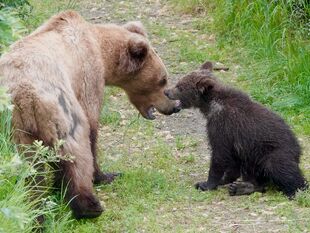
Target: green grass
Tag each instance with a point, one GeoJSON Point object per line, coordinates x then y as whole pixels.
{"type": "Point", "coordinates": [42, 10]}
{"type": "Point", "coordinates": [16, 213]}
{"type": "Point", "coordinates": [269, 40]}
{"type": "Point", "coordinates": [18, 207]}
{"type": "Point", "coordinates": [108, 115]}
{"type": "Point", "coordinates": [156, 193]}
{"type": "Point", "coordinates": [182, 142]}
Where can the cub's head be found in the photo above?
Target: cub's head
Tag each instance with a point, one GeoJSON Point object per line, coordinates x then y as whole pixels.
{"type": "Point", "coordinates": [196, 88]}
{"type": "Point", "coordinates": [140, 71]}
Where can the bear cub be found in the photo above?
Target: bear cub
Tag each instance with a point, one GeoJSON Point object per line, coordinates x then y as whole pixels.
{"type": "Point", "coordinates": [247, 139]}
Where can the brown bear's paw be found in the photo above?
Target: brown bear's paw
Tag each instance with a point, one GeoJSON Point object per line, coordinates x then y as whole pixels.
{"type": "Point", "coordinates": [86, 206]}
{"type": "Point", "coordinates": [106, 178]}
{"type": "Point", "coordinates": [204, 186]}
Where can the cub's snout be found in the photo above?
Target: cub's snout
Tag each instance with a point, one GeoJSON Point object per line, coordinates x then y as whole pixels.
{"type": "Point", "coordinates": [172, 94]}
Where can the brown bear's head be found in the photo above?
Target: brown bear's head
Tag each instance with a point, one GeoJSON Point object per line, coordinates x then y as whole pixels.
{"type": "Point", "coordinates": [194, 89]}
{"type": "Point", "coordinates": [139, 70]}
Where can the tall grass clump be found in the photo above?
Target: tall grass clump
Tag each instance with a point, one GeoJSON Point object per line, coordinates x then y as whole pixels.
{"type": "Point", "coordinates": [42, 10]}
{"type": "Point", "coordinates": [16, 215]}
{"type": "Point", "coordinates": [20, 201]}
{"type": "Point", "coordinates": [275, 57]}
{"type": "Point", "coordinates": [11, 26]}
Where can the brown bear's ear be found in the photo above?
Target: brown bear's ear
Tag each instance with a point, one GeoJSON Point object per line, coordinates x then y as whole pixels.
{"type": "Point", "coordinates": [134, 56]}
{"type": "Point", "coordinates": [205, 85]}
{"type": "Point", "coordinates": [207, 66]}
{"type": "Point", "coordinates": [136, 27]}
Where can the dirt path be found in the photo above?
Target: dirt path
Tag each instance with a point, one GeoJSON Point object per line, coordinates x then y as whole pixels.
{"type": "Point", "coordinates": [164, 158]}
{"type": "Point", "coordinates": [154, 13]}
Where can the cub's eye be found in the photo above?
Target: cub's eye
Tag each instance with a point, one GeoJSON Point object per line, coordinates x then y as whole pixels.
{"type": "Point", "coordinates": [163, 82]}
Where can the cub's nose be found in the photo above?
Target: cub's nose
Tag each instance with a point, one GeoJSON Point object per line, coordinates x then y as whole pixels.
{"type": "Point", "coordinates": [167, 93]}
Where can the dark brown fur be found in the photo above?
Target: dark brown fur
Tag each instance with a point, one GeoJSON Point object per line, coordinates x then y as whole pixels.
{"type": "Point", "coordinates": [246, 138]}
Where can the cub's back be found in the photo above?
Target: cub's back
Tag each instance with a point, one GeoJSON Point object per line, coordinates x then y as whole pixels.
{"type": "Point", "coordinates": [249, 124]}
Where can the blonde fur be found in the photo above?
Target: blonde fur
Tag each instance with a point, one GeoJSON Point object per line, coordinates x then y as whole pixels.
{"type": "Point", "coordinates": [56, 77]}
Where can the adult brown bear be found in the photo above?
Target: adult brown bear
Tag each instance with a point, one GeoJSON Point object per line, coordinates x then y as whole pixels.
{"type": "Point", "coordinates": [56, 77]}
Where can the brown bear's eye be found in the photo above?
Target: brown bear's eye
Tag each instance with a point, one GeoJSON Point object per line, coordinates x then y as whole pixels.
{"type": "Point", "coordinates": [163, 82]}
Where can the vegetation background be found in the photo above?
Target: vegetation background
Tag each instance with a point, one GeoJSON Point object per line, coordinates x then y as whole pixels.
{"type": "Point", "coordinates": [267, 47]}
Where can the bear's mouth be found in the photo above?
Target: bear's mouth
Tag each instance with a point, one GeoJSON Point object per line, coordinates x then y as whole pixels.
{"type": "Point", "coordinates": [149, 113]}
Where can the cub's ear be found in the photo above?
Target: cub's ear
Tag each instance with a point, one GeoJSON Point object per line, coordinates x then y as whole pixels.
{"type": "Point", "coordinates": [134, 55]}
{"type": "Point", "coordinates": [136, 27]}
{"type": "Point", "coordinates": [206, 85]}
{"type": "Point", "coordinates": [207, 66]}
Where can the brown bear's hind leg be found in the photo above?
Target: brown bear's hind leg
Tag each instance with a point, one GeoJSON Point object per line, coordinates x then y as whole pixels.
{"type": "Point", "coordinates": [78, 174]}
{"type": "Point", "coordinates": [79, 194]}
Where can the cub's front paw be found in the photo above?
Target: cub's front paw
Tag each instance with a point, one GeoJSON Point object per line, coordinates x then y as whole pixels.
{"type": "Point", "coordinates": [204, 186]}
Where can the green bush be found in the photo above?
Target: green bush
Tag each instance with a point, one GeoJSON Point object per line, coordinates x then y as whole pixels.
{"type": "Point", "coordinates": [11, 27]}
{"type": "Point", "coordinates": [18, 208]}
{"type": "Point", "coordinates": [14, 4]}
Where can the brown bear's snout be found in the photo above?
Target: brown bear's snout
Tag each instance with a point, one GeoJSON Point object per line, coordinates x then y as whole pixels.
{"type": "Point", "coordinates": [177, 104]}
{"type": "Point", "coordinates": [172, 107]}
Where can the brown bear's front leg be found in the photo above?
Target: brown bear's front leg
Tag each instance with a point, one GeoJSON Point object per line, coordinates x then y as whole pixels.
{"type": "Point", "coordinates": [99, 176]}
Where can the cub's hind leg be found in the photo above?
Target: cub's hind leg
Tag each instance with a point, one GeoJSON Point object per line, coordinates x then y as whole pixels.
{"type": "Point", "coordinates": [249, 183]}
{"type": "Point", "coordinates": [285, 173]}
{"type": "Point", "coordinates": [239, 188]}
{"type": "Point", "coordinates": [231, 174]}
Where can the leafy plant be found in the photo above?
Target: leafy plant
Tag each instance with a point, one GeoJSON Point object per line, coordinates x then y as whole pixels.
{"type": "Point", "coordinates": [4, 100]}
{"type": "Point", "coordinates": [11, 28]}
{"type": "Point", "coordinates": [14, 4]}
